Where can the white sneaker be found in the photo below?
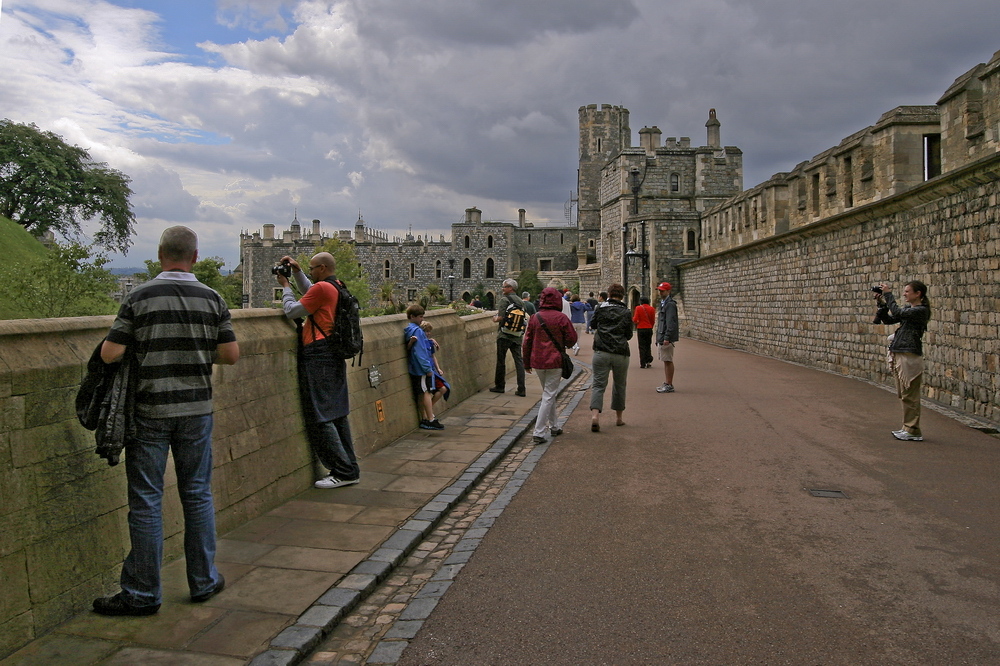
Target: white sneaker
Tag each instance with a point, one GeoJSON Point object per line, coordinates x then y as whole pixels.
{"type": "Point", "coordinates": [334, 482]}
{"type": "Point", "coordinates": [665, 388]}
{"type": "Point", "coordinates": [906, 437]}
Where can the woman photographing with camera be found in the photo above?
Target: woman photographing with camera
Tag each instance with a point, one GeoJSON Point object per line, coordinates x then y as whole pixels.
{"type": "Point", "coordinates": [906, 350]}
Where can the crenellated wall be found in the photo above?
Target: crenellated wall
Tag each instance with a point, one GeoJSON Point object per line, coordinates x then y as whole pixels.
{"type": "Point", "coordinates": [804, 295]}
{"type": "Point", "coordinates": [63, 532]}
{"type": "Point", "coordinates": [906, 147]}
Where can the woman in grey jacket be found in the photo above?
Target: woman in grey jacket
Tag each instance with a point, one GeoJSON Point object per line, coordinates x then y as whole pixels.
{"type": "Point", "coordinates": [612, 326]}
{"type": "Point", "coordinates": [906, 350]}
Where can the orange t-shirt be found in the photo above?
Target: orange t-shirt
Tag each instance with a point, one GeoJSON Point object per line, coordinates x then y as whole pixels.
{"type": "Point", "coordinates": [645, 316]}
{"type": "Point", "coordinates": [320, 300]}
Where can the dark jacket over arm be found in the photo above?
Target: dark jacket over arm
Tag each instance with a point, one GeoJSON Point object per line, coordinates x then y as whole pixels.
{"type": "Point", "coordinates": [912, 320]}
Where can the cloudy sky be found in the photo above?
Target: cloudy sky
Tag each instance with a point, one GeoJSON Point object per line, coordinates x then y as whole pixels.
{"type": "Point", "coordinates": [231, 114]}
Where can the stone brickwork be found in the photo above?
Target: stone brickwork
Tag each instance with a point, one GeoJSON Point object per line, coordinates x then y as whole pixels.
{"type": "Point", "coordinates": [63, 531]}
{"type": "Point", "coordinates": [786, 265]}
{"type": "Point", "coordinates": [804, 295]}
{"type": "Point", "coordinates": [676, 182]}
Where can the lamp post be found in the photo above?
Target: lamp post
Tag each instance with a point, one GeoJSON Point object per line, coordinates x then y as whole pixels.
{"type": "Point", "coordinates": [632, 256]}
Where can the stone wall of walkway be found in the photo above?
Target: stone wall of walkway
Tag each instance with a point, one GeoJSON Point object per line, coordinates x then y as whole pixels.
{"type": "Point", "coordinates": [63, 532]}
{"type": "Point", "coordinates": [804, 295]}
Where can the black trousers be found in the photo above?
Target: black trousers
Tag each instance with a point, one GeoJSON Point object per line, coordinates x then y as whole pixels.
{"type": "Point", "coordinates": [645, 337]}
{"type": "Point", "coordinates": [514, 347]}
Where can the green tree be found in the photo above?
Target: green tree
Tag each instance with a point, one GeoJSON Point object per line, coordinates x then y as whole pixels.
{"type": "Point", "coordinates": [387, 295]}
{"type": "Point", "coordinates": [433, 294]}
{"type": "Point", "coordinates": [348, 269]}
{"type": "Point", "coordinates": [68, 281]}
{"type": "Point", "coordinates": [208, 272]}
{"type": "Point", "coordinates": [527, 281]}
{"type": "Point", "coordinates": [49, 185]}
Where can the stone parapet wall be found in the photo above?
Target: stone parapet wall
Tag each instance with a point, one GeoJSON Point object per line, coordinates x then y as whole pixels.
{"type": "Point", "coordinates": [63, 531]}
{"type": "Point", "coordinates": [804, 295]}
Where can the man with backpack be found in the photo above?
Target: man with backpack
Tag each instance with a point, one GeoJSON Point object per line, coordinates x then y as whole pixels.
{"type": "Point", "coordinates": [322, 367]}
{"type": "Point", "coordinates": [513, 320]}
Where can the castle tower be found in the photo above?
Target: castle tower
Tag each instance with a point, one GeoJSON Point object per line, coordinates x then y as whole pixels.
{"type": "Point", "coordinates": [359, 230]}
{"type": "Point", "coordinates": [604, 132]}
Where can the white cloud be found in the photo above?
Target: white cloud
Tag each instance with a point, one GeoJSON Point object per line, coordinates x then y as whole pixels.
{"type": "Point", "coordinates": [413, 112]}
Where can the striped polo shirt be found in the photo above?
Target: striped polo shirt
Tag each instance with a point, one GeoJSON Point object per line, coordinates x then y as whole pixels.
{"type": "Point", "coordinates": [174, 324]}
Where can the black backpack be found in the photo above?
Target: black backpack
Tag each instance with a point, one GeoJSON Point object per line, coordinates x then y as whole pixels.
{"type": "Point", "coordinates": [346, 340]}
{"type": "Point", "coordinates": [515, 320]}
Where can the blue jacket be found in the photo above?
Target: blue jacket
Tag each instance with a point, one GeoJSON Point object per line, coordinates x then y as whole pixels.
{"type": "Point", "coordinates": [579, 308]}
{"type": "Point", "coordinates": [419, 361]}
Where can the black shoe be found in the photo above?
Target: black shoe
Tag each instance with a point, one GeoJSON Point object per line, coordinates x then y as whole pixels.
{"type": "Point", "coordinates": [555, 432]}
{"type": "Point", "coordinates": [219, 587]}
{"type": "Point", "coordinates": [520, 393]}
{"type": "Point", "coordinates": [426, 425]}
{"type": "Point", "coordinates": [497, 389]}
{"type": "Point", "coordinates": [436, 425]}
{"type": "Point", "coordinates": [118, 604]}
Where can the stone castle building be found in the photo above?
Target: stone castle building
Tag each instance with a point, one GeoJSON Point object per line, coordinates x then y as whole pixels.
{"type": "Point", "coordinates": [644, 211]}
{"type": "Point", "coordinates": [643, 201]}
{"type": "Point", "coordinates": [480, 255]}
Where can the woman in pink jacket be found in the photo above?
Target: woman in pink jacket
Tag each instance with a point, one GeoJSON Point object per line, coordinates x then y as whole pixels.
{"type": "Point", "coordinates": [542, 353]}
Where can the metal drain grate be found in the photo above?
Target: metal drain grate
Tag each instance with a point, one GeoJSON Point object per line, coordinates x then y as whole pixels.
{"type": "Point", "coordinates": [837, 494]}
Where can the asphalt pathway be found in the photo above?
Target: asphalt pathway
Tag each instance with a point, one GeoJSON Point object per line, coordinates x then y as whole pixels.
{"type": "Point", "coordinates": [688, 536]}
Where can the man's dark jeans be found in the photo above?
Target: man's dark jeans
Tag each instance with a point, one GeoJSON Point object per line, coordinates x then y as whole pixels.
{"type": "Point", "coordinates": [514, 347]}
{"type": "Point", "coordinates": [333, 445]}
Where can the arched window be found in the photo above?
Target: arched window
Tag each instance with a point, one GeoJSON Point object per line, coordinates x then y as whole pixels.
{"type": "Point", "coordinates": [560, 239]}
{"type": "Point", "coordinates": [466, 241]}
{"type": "Point", "coordinates": [388, 269]}
{"type": "Point", "coordinates": [529, 239]}
{"type": "Point", "coordinates": [413, 271]}
{"type": "Point", "coordinates": [467, 268]}
{"type": "Point", "coordinates": [489, 267]}
{"type": "Point", "coordinates": [489, 241]}
{"type": "Point", "coordinates": [691, 241]}
{"type": "Point", "coordinates": [675, 182]}
{"type": "Point", "coordinates": [437, 270]}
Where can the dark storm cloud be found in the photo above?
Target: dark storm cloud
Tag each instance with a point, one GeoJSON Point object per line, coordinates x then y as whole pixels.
{"type": "Point", "coordinates": [485, 22]}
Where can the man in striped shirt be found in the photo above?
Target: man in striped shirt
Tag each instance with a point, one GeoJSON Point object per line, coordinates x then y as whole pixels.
{"type": "Point", "coordinates": [176, 328]}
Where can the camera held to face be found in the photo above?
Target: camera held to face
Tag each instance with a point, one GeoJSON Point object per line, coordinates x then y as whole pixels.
{"type": "Point", "coordinates": [282, 269]}
{"type": "Point", "coordinates": [877, 289]}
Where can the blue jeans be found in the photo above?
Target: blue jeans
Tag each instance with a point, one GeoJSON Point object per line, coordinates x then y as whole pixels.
{"type": "Point", "coordinates": [190, 439]}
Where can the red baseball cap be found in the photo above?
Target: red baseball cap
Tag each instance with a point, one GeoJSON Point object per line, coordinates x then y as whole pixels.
{"type": "Point", "coordinates": [664, 286]}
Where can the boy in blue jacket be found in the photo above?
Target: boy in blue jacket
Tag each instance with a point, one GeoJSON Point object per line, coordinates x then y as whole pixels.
{"type": "Point", "coordinates": [421, 367]}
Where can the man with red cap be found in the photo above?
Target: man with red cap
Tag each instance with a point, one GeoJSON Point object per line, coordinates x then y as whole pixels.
{"type": "Point", "coordinates": [667, 334]}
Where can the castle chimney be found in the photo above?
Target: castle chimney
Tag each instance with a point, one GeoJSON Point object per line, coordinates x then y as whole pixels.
{"type": "Point", "coordinates": [268, 232]}
{"type": "Point", "coordinates": [473, 215]}
{"type": "Point", "coordinates": [520, 217]}
{"type": "Point", "coordinates": [713, 124]}
{"type": "Point", "coordinates": [315, 227]}
{"type": "Point", "coordinates": [649, 138]}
